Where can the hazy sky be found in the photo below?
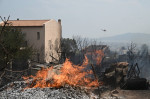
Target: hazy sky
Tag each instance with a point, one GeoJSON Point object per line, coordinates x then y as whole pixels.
{"type": "Point", "coordinates": [84, 17]}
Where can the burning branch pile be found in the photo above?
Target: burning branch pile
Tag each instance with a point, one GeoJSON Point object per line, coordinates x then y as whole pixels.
{"type": "Point", "coordinates": [69, 74]}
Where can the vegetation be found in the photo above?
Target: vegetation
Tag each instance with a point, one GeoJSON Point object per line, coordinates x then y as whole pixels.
{"type": "Point", "coordinates": [12, 45]}
{"type": "Point", "coordinates": [68, 46]}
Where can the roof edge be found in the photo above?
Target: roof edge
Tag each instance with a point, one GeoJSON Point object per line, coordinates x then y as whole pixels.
{"type": "Point", "coordinates": [31, 20]}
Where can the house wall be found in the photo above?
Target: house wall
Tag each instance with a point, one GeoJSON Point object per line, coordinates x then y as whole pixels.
{"type": "Point", "coordinates": [52, 39]}
{"type": "Point", "coordinates": [38, 45]}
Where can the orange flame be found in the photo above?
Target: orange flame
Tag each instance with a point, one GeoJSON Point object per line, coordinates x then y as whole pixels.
{"type": "Point", "coordinates": [96, 56]}
{"type": "Point", "coordinates": [71, 74]}
{"type": "Point", "coordinates": [100, 55]}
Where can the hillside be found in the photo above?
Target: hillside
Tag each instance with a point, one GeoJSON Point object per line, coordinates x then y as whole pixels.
{"type": "Point", "coordinates": [128, 37]}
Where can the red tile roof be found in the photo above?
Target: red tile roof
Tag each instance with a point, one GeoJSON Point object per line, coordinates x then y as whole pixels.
{"type": "Point", "coordinates": [27, 22]}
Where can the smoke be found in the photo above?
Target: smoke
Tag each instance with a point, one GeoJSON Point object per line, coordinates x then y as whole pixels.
{"type": "Point", "coordinates": [144, 62]}
{"type": "Point", "coordinates": [140, 57]}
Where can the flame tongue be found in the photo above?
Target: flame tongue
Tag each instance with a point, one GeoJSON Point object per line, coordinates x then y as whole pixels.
{"type": "Point", "coordinates": [70, 74]}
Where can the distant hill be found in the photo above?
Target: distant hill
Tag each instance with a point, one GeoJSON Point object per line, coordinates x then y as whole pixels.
{"type": "Point", "coordinates": [128, 37]}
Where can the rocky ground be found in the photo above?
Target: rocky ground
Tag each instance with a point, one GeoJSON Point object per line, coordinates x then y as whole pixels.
{"type": "Point", "coordinates": [16, 90]}
{"type": "Point", "coordinates": [127, 94]}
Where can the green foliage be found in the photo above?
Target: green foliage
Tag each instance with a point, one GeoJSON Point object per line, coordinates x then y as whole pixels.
{"type": "Point", "coordinates": [68, 45]}
{"type": "Point", "coordinates": [13, 47]}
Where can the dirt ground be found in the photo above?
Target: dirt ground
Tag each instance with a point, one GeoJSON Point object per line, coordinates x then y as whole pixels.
{"type": "Point", "coordinates": [126, 94]}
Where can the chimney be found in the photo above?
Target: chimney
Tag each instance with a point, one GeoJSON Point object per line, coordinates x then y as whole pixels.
{"type": "Point", "coordinates": [17, 19]}
{"type": "Point", "coordinates": [59, 21]}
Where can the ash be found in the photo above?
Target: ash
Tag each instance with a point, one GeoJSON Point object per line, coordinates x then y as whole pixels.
{"type": "Point", "coordinates": [15, 90]}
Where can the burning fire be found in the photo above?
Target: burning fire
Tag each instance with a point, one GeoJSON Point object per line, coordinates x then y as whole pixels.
{"type": "Point", "coordinates": [96, 56]}
{"type": "Point", "coordinates": [99, 56]}
{"type": "Point", "coordinates": [70, 74]}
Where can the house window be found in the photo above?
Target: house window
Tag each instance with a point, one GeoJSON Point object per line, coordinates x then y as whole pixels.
{"type": "Point", "coordinates": [38, 35]}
